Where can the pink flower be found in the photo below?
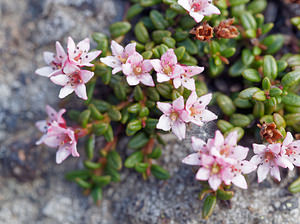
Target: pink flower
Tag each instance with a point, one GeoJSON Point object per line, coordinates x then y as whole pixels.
{"type": "Point", "coordinates": [220, 160]}
{"type": "Point", "coordinates": [196, 108]}
{"type": "Point", "coordinates": [73, 79]}
{"type": "Point", "coordinates": [167, 68]}
{"type": "Point", "coordinates": [174, 117]}
{"type": "Point", "coordinates": [55, 62]}
{"type": "Point", "coordinates": [291, 149]}
{"type": "Point", "coordinates": [215, 170]}
{"type": "Point", "coordinates": [79, 54]}
{"type": "Point", "coordinates": [53, 116]}
{"type": "Point", "coordinates": [64, 139]}
{"type": "Point", "coordinates": [119, 56]}
{"type": "Point", "coordinates": [199, 8]}
{"type": "Point", "coordinates": [269, 159]}
{"type": "Point", "coordinates": [185, 79]}
{"type": "Point", "coordinates": [138, 70]}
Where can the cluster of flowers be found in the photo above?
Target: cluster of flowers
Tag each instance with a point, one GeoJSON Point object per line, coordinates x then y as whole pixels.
{"type": "Point", "coordinates": [223, 161]}
{"type": "Point", "coordinates": [56, 134]}
{"type": "Point", "coordinates": [65, 69]}
{"type": "Point", "coordinates": [137, 70]}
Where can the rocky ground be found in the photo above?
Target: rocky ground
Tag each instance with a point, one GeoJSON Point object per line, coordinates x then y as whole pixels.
{"type": "Point", "coordinates": [32, 186]}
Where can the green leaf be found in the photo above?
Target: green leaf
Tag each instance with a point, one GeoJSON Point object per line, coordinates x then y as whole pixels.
{"type": "Point", "coordinates": [291, 78]}
{"type": "Point", "coordinates": [273, 43]}
{"type": "Point", "coordinates": [102, 181]}
{"type": "Point", "coordinates": [240, 120]}
{"type": "Point", "coordinates": [270, 67]}
{"type": "Point", "coordinates": [266, 83]}
{"type": "Point", "coordinates": [248, 21]}
{"type": "Point", "coordinates": [208, 206]}
{"type": "Point", "coordinates": [114, 160]}
{"type": "Point", "coordinates": [224, 195]}
{"type": "Point", "coordinates": [92, 165]}
{"type": "Point", "coordinates": [279, 120]}
{"type": "Point", "coordinates": [259, 95]}
{"type": "Point", "coordinates": [159, 172]}
{"type": "Point", "coordinates": [247, 57]}
{"type": "Point", "coordinates": [133, 159]}
{"type": "Point", "coordinates": [226, 104]}
{"type": "Point", "coordinates": [248, 93]}
{"type": "Point", "coordinates": [291, 99]}
{"type": "Point", "coordinates": [224, 126]}
{"type": "Point", "coordinates": [156, 153]}
{"type": "Point", "coordinates": [141, 167]}
{"type": "Point", "coordinates": [119, 29]}
{"type": "Point", "coordinates": [83, 174]}
{"type": "Point", "coordinates": [158, 20]}
{"type": "Point", "coordinates": [259, 109]}
{"type": "Point", "coordinates": [82, 183]}
{"type": "Point", "coordinates": [100, 128]}
{"type": "Point", "coordinates": [138, 141]}
{"type": "Point", "coordinates": [134, 10]}
{"type": "Point", "coordinates": [138, 93]}
{"type": "Point", "coordinates": [242, 103]}
{"type": "Point", "coordinates": [251, 75]}
{"type": "Point", "coordinates": [90, 146]}
{"type": "Point", "coordinates": [97, 195]}
{"type": "Point", "coordinates": [295, 186]}
{"type": "Point", "coordinates": [141, 32]}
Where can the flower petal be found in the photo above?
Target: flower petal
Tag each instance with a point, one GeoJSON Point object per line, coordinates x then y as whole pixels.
{"type": "Point", "coordinates": [239, 152]}
{"type": "Point", "coordinates": [207, 115]}
{"type": "Point", "coordinates": [214, 182]}
{"type": "Point", "coordinates": [219, 139]}
{"type": "Point", "coordinates": [191, 100]}
{"type": "Point", "coordinates": [274, 172]}
{"type": "Point", "coordinates": [178, 104]}
{"type": "Point", "coordinates": [60, 52]}
{"type": "Point", "coordinates": [147, 80]}
{"type": "Point", "coordinates": [239, 180]}
{"type": "Point", "coordinates": [189, 83]}
{"type": "Point", "coordinates": [203, 174]}
{"type": "Point", "coordinates": [205, 99]}
{"type": "Point", "coordinates": [193, 159]}
{"type": "Point", "coordinates": [164, 123]}
{"type": "Point", "coordinates": [116, 48]}
{"type": "Point", "coordinates": [130, 49]}
{"type": "Point", "coordinates": [156, 65]}
{"type": "Point", "coordinates": [247, 167]}
{"type": "Point", "coordinates": [211, 9]}
{"type": "Point", "coordinates": [61, 154]}
{"type": "Point", "coordinates": [197, 144]}
{"type": "Point", "coordinates": [197, 16]}
{"type": "Point", "coordinates": [86, 75]}
{"type": "Point", "coordinates": [111, 61]}
{"type": "Point", "coordinates": [147, 66]}
{"type": "Point", "coordinates": [61, 80]}
{"type": "Point", "coordinates": [44, 71]}
{"type": "Point", "coordinates": [65, 91]}
{"type": "Point", "coordinates": [288, 139]}
{"type": "Point", "coordinates": [231, 139]}
{"type": "Point", "coordinates": [162, 77]}
{"type": "Point", "coordinates": [275, 148]}
{"type": "Point", "coordinates": [179, 128]}
{"type": "Point", "coordinates": [127, 69]}
{"type": "Point", "coordinates": [48, 57]}
{"type": "Point", "coordinates": [132, 80]}
{"type": "Point", "coordinates": [258, 148]}
{"type": "Point", "coordinates": [80, 91]}
{"type": "Point", "coordinates": [84, 45]}
{"type": "Point", "coordinates": [262, 172]}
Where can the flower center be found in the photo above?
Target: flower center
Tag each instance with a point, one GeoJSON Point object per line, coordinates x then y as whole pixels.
{"type": "Point", "coordinates": [66, 140]}
{"type": "Point", "coordinates": [215, 168]}
{"type": "Point", "coordinates": [269, 156]}
{"type": "Point", "coordinates": [290, 151]}
{"type": "Point", "coordinates": [167, 70]}
{"type": "Point", "coordinates": [123, 58]}
{"type": "Point", "coordinates": [194, 111]}
{"type": "Point", "coordinates": [75, 78]}
{"type": "Point", "coordinates": [174, 116]}
{"type": "Point", "coordinates": [138, 70]}
{"type": "Point", "coordinates": [224, 150]}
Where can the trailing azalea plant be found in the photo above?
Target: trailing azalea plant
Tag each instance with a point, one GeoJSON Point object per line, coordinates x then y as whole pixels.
{"type": "Point", "coordinates": [157, 83]}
